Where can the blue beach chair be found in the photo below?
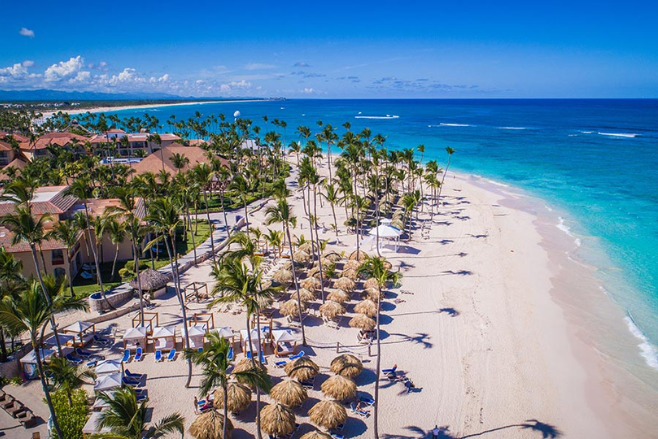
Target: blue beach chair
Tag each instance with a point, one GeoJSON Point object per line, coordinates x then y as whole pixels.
{"type": "Point", "coordinates": [296, 356]}
{"type": "Point", "coordinates": [230, 353]}
{"type": "Point", "coordinates": [158, 355]}
{"type": "Point", "coordinates": [138, 354]}
{"type": "Point", "coordinates": [172, 355]}
{"type": "Point", "coordinates": [126, 356]}
{"type": "Point", "coordinates": [73, 359]}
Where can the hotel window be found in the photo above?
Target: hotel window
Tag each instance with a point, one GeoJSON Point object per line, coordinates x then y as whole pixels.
{"type": "Point", "coordinates": [57, 257]}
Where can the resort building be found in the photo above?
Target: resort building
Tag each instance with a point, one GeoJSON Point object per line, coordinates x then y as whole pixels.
{"type": "Point", "coordinates": [164, 159]}
{"type": "Point", "coordinates": [39, 148]}
{"type": "Point", "coordinates": [7, 153]}
{"type": "Point", "coordinates": [130, 144]}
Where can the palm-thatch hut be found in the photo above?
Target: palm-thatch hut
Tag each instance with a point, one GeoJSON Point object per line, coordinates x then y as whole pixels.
{"type": "Point", "coordinates": [371, 283]}
{"type": "Point", "coordinates": [352, 264]}
{"type": "Point", "coordinates": [277, 420]}
{"type": "Point", "coordinates": [152, 281]}
{"type": "Point", "coordinates": [345, 284]}
{"type": "Point", "coordinates": [339, 296]}
{"type": "Point", "coordinates": [289, 393]}
{"type": "Point", "coordinates": [311, 283]}
{"type": "Point", "coordinates": [306, 295]}
{"type": "Point", "coordinates": [210, 425]}
{"type": "Point", "coordinates": [346, 365]}
{"type": "Point", "coordinates": [339, 388]}
{"type": "Point", "coordinates": [331, 309]}
{"type": "Point", "coordinates": [328, 414]}
{"type": "Point", "coordinates": [316, 434]}
{"type": "Point", "coordinates": [367, 307]}
{"type": "Point", "coordinates": [282, 277]}
{"type": "Point", "coordinates": [362, 321]}
{"type": "Point", "coordinates": [302, 369]}
{"type": "Point", "coordinates": [291, 308]}
{"type": "Point", "coordinates": [302, 257]}
{"type": "Point", "coordinates": [239, 397]}
{"type": "Point", "coordinates": [359, 255]}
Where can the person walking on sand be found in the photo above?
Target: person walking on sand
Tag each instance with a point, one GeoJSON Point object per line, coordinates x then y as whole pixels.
{"type": "Point", "coordinates": [435, 432]}
{"type": "Point", "coordinates": [196, 406]}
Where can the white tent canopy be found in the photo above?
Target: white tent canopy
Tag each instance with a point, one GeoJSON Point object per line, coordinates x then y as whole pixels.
{"type": "Point", "coordinates": [164, 331]}
{"type": "Point", "coordinates": [225, 332]}
{"type": "Point", "coordinates": [283, 336]}
{"type": "Point", "coordinates": [108, 366]}
{"type": "Point", "coordinates": [197, 335]}
{"type": "Point", "coordinates": [30, 358]}
{"type": "Point", "coordinates": [134, 337]}
{"type": "Point", "coordinates": [63, 339]}
{"type": "Point", "coordinates": [78, 327]}
{"type": "Point", "coordinates": [107, 382]}
{"type": "Point", "coordinates": [386, 231]}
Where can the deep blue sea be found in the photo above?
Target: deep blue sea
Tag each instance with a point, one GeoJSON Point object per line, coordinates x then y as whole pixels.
{"type": "Point", "coordinates": [597, 160]}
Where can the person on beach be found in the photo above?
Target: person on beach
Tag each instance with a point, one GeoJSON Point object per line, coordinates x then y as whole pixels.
{"type": "Point", "coordinates": [435, 432]}
{"type": "Point", "coordinates": [196, 405]}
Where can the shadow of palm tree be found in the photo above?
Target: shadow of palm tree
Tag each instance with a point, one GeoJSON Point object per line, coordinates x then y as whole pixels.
{"type": "Point", "coordinates": [547, 431]}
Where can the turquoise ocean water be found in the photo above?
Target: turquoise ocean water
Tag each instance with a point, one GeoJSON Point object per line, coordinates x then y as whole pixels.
{"type": "Point", "coordinates": [596, 160]}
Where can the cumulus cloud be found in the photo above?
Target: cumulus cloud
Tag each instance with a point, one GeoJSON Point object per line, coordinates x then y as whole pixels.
{"type": "Point", "coordinates": [64, 69]}
{"type": "Point", "coordinates": [28, 63]}
{"type": "Point", "coordinates": [26, 32]}
{"type": "Point", "coordinates": [17, 71]}
{"type": "Point", "coordinates": [308, 90]}
{"type": "Point", "coordinates": [259, 66]}
{"type": "Point", "coordinates": [301, 64]}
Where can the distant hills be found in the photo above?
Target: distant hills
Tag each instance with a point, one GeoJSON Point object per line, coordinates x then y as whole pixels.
{"type": "Point", "coordinates": [58, 95]}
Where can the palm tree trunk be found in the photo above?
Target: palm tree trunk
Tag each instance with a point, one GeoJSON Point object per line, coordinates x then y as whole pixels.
{"type": "Point", "coordinates": [114, 262]}
{"type": "Point", "coordinates": [224, 427]}
{"type": "Point", "coordinates": [44, 386]}
{"type": "Point", "coordinates": [378, 367]}
{"type": "Point", "coordinates": [98, 269]}
{"type": "Point", "coordinates": [46, 296]}
{"type": "Point", "coordinates": [317, 237]}
{"type": "Point", "coordinates": [228, 229]}
{"type": "Point", "coordinates": [139, 280]}
{"type": "Point", "coordinates": [212, 240]}
{"type": "Point", "coordinates": [192, 232]}
{"type": "Point", "coordinates": [3, 347]}
{"type": "Point", "coordinates": [68, 258]}
{"type": "Point", "coordinates": [294, 278]}
{"type": "Point", "coordinates": [333, 212]}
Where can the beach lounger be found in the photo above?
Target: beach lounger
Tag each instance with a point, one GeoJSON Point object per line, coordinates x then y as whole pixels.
{"type": "Point", "coordinates": [296, 356]}
{"type": "Point", "coordinates": [73, 359]}
{"type": "Point", "coordinates": [391, 370]}
{"type": "Point", "coordinates": [262, 358]}
{"type": "Point", "coordinates": [337, 436]}
{"type": "Point", "coordinates": [136, 376]}
{"type": "Point", "coordinates": [308, 385]}
{"type": "Point", "coordinates": [126, 356]}
{"type": "Point", "coordinates": [200, 350]}
{"type": "Point", "coordinates": [138, 354]}
{"type": "Point", "coordinates": [368, 401]}
{"type": "Point", "coordinates": [249, 354]}
{"type": "Point", "coordinates": [230, 353]}
{"type": "Point", "coordinates": [172, 355]}
{"type": "Point", "coordinates": [356, 411]}
{"type": "Point", "coordinates": [280, 363]}
{"type": "Point", "coordinates": [130, 382]}
{"type": "Point", "coordinates": [82, 354]}
{"type": "Point", "coordinates": [16, 408]}
{"type": "Point", "coordinates": [158, 355]}
{"type": "Point", "coordinates": [8, 401]}
{"type": "Point", "coordinates": [28, 420]}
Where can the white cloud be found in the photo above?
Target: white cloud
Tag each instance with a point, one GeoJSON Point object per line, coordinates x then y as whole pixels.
{"type": "Point", "coordinates": [239, 84]}
{"type": "Point", "coordinates": [64, 69]}
{"type": "Point", "coordinates": [17, 71]}
{"type": "Point", "coordinates": [308, 90]}
{"type": "Point", "coordinates": [164, 78]}
{"type": "Point", "coordinates": [26, 32]}
{"type": "Point", "coordinates": [28, 63]}
{"type": "Point", "coordinates": [259, 66]}
{"type": "Point", "coordinates": [81, 77]}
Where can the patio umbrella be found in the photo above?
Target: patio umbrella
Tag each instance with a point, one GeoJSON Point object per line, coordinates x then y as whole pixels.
{"type": "Point", "coordinates": [311, 283]}
{"type": "Point", "coordinates": [239, 397]}
{"type": "Point", "coordinates": [371, 283]}
{"type": "Point", "coordinates": [151, 280]}
{"type": "Point", "coordinates": [225, 332]}
{"type": "Point", "coordinates": [339, 296]}
{"type": "Point", "coordinates": [306, 295]}
{"type": "Point", "coordinates": [346, 365]}
{"type": "Point", "coordinates": [289, 393]}
{"type": "Point", "coordinates": [339, 388]}
{"type": "Point", "coordinates": [210, 425]}
{"type": "Point", "coordinates": [360, 256]}
{"type": "Point", "coordinates": [246, 364]}
{"type": "Point", "coordinates": [317, 434]}
{"type": "Point", "coordinates": [373, 294]}
{"type": "Point", "coordinates": [302, 257]}
{"type": "Point", "coordinates": [333, 256]}
{"type": "Point", "coordinates": [313, 272]}
{"type": "Point", "coordinates": [345, 284]}
{"type": "Point", "coordinates": [108, 366]}
{"type": "Point", "coordinates": [277, 420]}
{"type": "Point", "coordinates": [303, 369]}
{"type": "Point", "coordinates": [286, 265]}
{"type": "Point", "coordinates": [107, 382]}
{"type": "Point", "coordinates": [331, 309]}
{"type": "Point", "coordinates": [306, 247]}
{"type": "Point", "coordinates": [283, 277]}
{"type": "Point", "coordinates": [328, 414]}
{"type": "Point", "coordinates": [350, 273]}
{"type": "Point", "coordinates": [290, 308]}
{"type": "Point", "coordinates": [352, 265]}
{"type": "Point", "coordinates": [362, 321]}
{"type": "Point", "coordinates": [367, 307]}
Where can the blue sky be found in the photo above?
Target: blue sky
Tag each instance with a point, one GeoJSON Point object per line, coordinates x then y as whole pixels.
{"type": "Point", "coordinates": [357, 49]}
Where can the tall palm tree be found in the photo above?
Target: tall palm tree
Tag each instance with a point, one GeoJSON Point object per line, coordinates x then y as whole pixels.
{"type": "Point", "coordinates": [11, 283]}
{"type": "Point", "coordinates": [205, 177]}
{"type": "Point", "coordinates": [67, 376]}
{"type": "Point", "coordinates": [29, 312]}
{"type": "Point", "coordinates": [281, 213]}
{"type": "Point", "coordinates": [240, 184]}
{"type": "Point", "coordinates": [117, 233]}
{"type": "Point", "coordinates": [332, 195]}
{"type": "Point", "coordinates": [127, 419]}
{"type": "Point", "coordinates": [376, 268]}
{"type": "Point", "coordinates": [179, 161]}
{"type": "Point", "coordinates": [66, 232]}
{"type": "Point", "coordinates": [450, 152]}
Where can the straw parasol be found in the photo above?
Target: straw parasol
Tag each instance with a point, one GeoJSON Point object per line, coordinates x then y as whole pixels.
{"type": "Point", "coordinates": [302, 369]}
{"type": "Point", "coordinates": [339, 296]}
{"type": "Point", "coordinates": [210, 425]}
{"type": "Point", "coordinates": [331, 309]}
{"type": "Point", "coordinates": [373, 294]}
{"type": "Point", "coordinates": [346, 365]}
{"type": "Point", "coordinates": [306, 295]}
{"type": "Point", "coordinates": [277, 420]}
{"type": "Point", "coordinates": [345, 284]}
{"type": "Point", "coordinates": [333, 256]}
{"type": "Point", "coordinates": [314, 272]}
{"type": "Point", "coordinates": [311, 283]}
{"type": "Point", "coordinates": [290, 308]}
{"type": "Point", "coordinates": [286, 265]}
{"type": "Point", "coordinates": [239, 397]}
{"type": "Point", "coordinates": [362, 256]}
{"type": "Point", "coordinates": [306, 247]}
{"type": "Point", "coordinates": [350, 274]}
{"type": "Point", "coordinates": [151, 280]}
{"type": "Point", "coordinates": [371, 283]}
{"type": "Point", "coordinates": [289, 393]}
{"type": "Point", "coordinates": [282, 276]}
{"type": "Point", "coordinates": [246, 364]}
{"type": "Point", "coordinates": [367, 307]}
{"type": "Point", "coordinates": [339, 388]}
{"type": "Point", "coordinates": [328, 414]}
{"type": "Point", "coordinates": [317, 434]}
{"type": "Point", "coordinates": [362, 321]}
{"type": "Point", "coordinates": [352, 265]}
{"type": "Point", "coordinates": [302, 257]}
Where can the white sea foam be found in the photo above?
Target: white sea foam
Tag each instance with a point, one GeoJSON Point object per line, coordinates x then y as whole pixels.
{"type": "Point", "coordinates": [454, 125]}
{"type": "Point", "coordinates": [587, 132]}
{"type": "Point", "coordinates": [512, 128]}
{"type": "Point", "coordinates": [647, 350]}
{"type": "Point", "coordinates": [562, 226]}
{"type": "Point", "coordinates": [573, 135]}
{"type": "Point", "coordinates": [629, 135]}
{"type": "Point", "coordinates": [388, 116]}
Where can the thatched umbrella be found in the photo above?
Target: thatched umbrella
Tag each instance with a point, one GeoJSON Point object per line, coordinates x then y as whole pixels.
{"type": "Point", "coordinates": [367, 307]}
{"type": "Point", "coordinates": [362, 321]}
{"type": "Point", "coordinates": [291, 308]}
{"type": "Point", "coordinates": [345, 284]}
{"type": "Point", "coordinates": [302, 257]}
{"type": "Point", "coordinates": [302, 369]}
{"type": "Point", "coordinates": [339, 388]}
{"type": "Point", "coordinates": [313, 272]}
{"type": "Point", "coordinates": [286, 265]}
{"type": "Point", "coordinates": [311, 283]}
{"type": "Point", "coordinates": [317, 434]}
{"type": "Point", "coordinates": [360, 256]}
{"type": "Point", "coordinates": [398, 223]}
{"type": "Point", "coordinates": [151, 280]}
{"type": "Point", "coordinates": [328, 414]}
{"type": "Point", "coordinates": [306, 295]}
{"type": "Point", "coordinates": [239, 397]}
{"type": "Point", "coordinates": [210, 425]}
{"type": "Point", "coordinates": [246, 364]}
{"type": "Point", "coordinates": [306, 247]}
{"type": "Point", "coordinates": [277, 420]}
{"type": "Point", "coordinates": [373, 293]}
{"type": "Point", "coordinates": [289, 393]}
{"type": "Point", "coordinates": [333, 256]}
{"type": "Point", "coordinates": [346, 365]}
{"type": "Point", "coordinates": [339, 296]}
{"type": "Point", "coordinates": [352, 265]}
{"type": "Point", "coordinates": [283, 277]}
{"type": "Point", "coordinates": [350, 274]}
{"type": "Point", "coordinates": [331, 309]}
{"type": "Point", "coordinates": [371, 283]}
{"type": "Point", "coordinates": [388, 265]}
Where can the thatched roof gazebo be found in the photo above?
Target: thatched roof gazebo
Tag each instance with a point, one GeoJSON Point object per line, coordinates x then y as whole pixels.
{"type": "Point", "coordinates": [289, 393]}
{"type": "Point", "coordinates": [346, 365]}
{"type": "Point", "coordinates": [239, 397]}
{"type": "Point", "coordinates": [362, 321]}
{"type": "Point", "coordinates": [305, 295]}
{"type": "Point", "coordinates": [331, 309]}
{"type": "Point", "coordinates": [151, 280]}
{"type": "Point", "coordinates": [367, 307]}
{"type": "Point", "coordinates": [277, 420]}
{"type": "Point", "coordinates": [302, 369]}
{"type": "Point", "coordinates": [345, 284]}
{"type": "Point", "coordinates": [339, 296]}
{"type": "Point", "coordinates": [358, 255]}
{"type": "Point", "coordinates": [246, 364]}
{"type": "Point", "coordinates": [210, 425]}
{"type": "Point", "coordinates": [314, 272]}
{"type": "Point", "coordinates": [316, 434]}
{"type": "Point", "coordinates": [306, 247]}
{"type": "Point", "coordinates": [328, 414]}
{"type": "Point", "coordinates": [311, 283]}
{"type": "Point", "coordinates": [282, 277]}
{"type": "Point", "coordinates": [339, 388]}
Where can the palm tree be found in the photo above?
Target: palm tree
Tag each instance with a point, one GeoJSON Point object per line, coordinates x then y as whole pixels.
{"type": "Point", "coordinates": [66, 376]}
{"type": "Point", "coordinates": [376, 268]}
{"type": "Point", "coordinates": [126, 418]}
{"type": "Point", "coordinates": [450, 151]}
{"type": "Point", "coordinates": [205, 177]}
{"type": "Point", "coordinates": [29, 312]}
{"type": "Point", "coordinates": [66, 232]}
{"type": "Point", "coordinates": [215, 362]}
{"type": "Point", "coordinates": [331, 194]}
{"type": "Point", "coordinates": [241, 185]}
{"type": "Point", "coordinates": [11, 282]}
{"type": "Point", "coordinates": [274, 240]}
{"type": "Point", "coordinates": [281, 213]}
{"type": "Point", "coordinates": [179, 161]}
{"type": "Point", "coordinates": [117, 233]}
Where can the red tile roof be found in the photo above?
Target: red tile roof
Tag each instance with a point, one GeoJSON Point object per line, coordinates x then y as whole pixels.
{"type": "Point", "coordinates": [4, 146]}
{"type": "Point", "coordinates": [153, 162]}
{"type": "Point", "coordinates": [19, 164]}
{"type": "Point", "coordinates": [19, 137]}
{"type": "Point", "coordinates": [59, 139]}
{"type": "Point", "coordinates": [47, 200]}
{"type": "Point", "coordinates": [6, 236]}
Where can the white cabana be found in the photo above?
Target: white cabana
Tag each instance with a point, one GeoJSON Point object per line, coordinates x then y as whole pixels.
{"type": "Point", "coordinates": [81, 330]}
{"type": "Point", "coordinates": [108, 382]}
{"type": "Point", "coordinates": [244, 338]}
{"type": "Point", "coordinates": [92, 427]}
{"type": "Point", "coordinates": [284, 342]}
{"type": "Point", "coordinates": [197, 336]}
{"type": "Point", "coordinates": [108, 366]}
{"type": "Point", "coordinates": [63, 340]}
{"type": "Point", "coordinates": [134, 338]}
{"type": "Point", "coordinates": [225, 332]}
{"type": "Point", "coordinates": [387, 231]}
{"type": "Point", "coordinates": [29, 362]}
{"type": "Point", "coordinates": [164, 337]}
